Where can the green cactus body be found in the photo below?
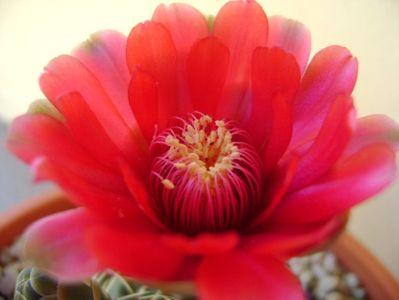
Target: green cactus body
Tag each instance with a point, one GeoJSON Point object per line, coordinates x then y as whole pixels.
{"type": "Point", "coordinates": [33, 284]}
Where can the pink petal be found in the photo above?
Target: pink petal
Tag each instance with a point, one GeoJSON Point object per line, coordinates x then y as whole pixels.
{"type": "Point", "coordinates": [374, 129]}
{"type": "Point", "coordinates": [185, 23]}
{"type": "Point", "coordinates": [150, 48]}
{"type": "Point", "coordinates": [144, 102]}
{"type": "Point", "coordinates": [329, 144]}
{"type": "Point", "coordinates": [275, 80]}
{"type": "Point", "coordinates": [207, 67]}
{"type": "Point", "coordinates": [104, 54]}
{"type": "Point", "coordinates": [35, 136]}
{"type": "Point", "coordinates": [292, 36]}
{"type": "Point", "coordinates": [296, 240]}
{"type": "Point", "coordinates": [66, 74]}
{"type": "Point", "coordinates": [331, 72]}
{"type": "Point", "coordinates": [135, 249]}
{"type": "Point", "coordinates": [238, 275]}
{"type": "Point", "coordinates": [203, 244]}
{"type": "Point", "coordinates": [351, 181]}
{"type": "Point", "coordinates": [58, 244]}
{"type": "Point", "coordinates": [241, 37]}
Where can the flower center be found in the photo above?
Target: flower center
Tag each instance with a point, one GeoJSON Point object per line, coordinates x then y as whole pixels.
{"type": "Point", "coordinates": [205, 176]}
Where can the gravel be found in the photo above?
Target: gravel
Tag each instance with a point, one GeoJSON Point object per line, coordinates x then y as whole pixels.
{"type": "Point", "coordinates": [320, 274]}
{"type": "Point", "coordinates": [323, 277]}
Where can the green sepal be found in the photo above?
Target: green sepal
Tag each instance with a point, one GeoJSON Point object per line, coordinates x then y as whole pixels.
{"type": "Point", "coordinates": [44, 107]}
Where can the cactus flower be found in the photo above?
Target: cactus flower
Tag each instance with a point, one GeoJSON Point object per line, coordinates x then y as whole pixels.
{"type": "Point", "coordinates": [201, 150]}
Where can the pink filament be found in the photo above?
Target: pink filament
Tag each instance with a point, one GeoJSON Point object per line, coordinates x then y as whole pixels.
{"type": "Point", "coordinates": [228, 201]}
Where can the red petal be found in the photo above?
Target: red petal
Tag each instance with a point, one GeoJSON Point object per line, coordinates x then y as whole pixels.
{"type": "Point", "coordinates": [135, 249]}
{"type": "Point", "coordinates": [97, 198]}
{"type": "Point", "coordinates": [140, 193]}
{"type": "Point", "coordinates": [351, 181]}
{"type": "Point", "coordinates": [241, 37]}
{"type": "Point", "coordinates": [35, 136]}
{"type": "Point", "coordinates": [207, 67]}
{"type": "Point", "coordinates": [280, 181]}
{"type": "Point", "coordinates": [104, 54]}
{"type": "Point", "coordinates": [296, 240]}
{"type": "Point", "coordinates": [280, 135]}
{"type": "Point", "coordinates": [203, 244]}
{"type": "Point", "coordinates": [150, 48]}
{"type": "Point", "coordinates": [87, 131]}
{"type": "Point", "coordinates": [374, 129]}
{"type": "Point", "coordinates": [331, 72]}
{"type": "Point", "coordinates": [184, 22]}
{"type": "Point", "coordinates": [58, 244]}
{"type": "Point", "coordinates": [66, 74]}
{"type": "Point", "coordinates": [143, 95]}
{"type": "Point", "coordinates": [329, 144]}
{"type": "Point", "coordinates": [292, 36]}
{"type": "Point", "coordinates": [275, 79]}
{"type": "Point", "coordinates": [240, 276]}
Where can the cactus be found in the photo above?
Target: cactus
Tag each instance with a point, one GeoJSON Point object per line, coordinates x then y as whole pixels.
{"type": "Point", "coordinates": [33, 284]}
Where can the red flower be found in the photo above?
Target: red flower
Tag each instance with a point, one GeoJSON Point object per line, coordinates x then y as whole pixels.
{"type": "Point", "coordinates": [199, 151]}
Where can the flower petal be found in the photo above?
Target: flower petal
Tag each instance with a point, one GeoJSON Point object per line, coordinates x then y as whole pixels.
{"type": "Point", "coordinates": [66, 74]}
{"type": "Point", "coordinates": [331, 72]}
{"type": "Point", "coordinates": [292, 36]}
{"type": "Point", "coordinates": [104, 54]}
{"type": "Point", "coordinates": [144, 102]}
{"type": "Point", "coordinates": [135, 250]}
{"type": "Point", "coordinates": [280, 181]}
{"type": "Point", "coordinates": [96, 198]}
{"type": "Point", "coordinates": [329, 144]}
{"type": "Point", "coordinates": [207, 66]}
{"type": "Point", "coordinates": [352, 180]}
{"type": "Point", "coordinates": [203, 244]}
{"type": "Point", "coordinates": [295, 240]}
{"type": "Point", "coordinates": [35, 136]}
{"type": "Point", "coordinates": [57, 243]}
{"type": "Point", "coordinates": [241, 38]}
{"type": "Point", "coordinates": [237, 275]}
{"type": "Point", "coordinates": [374, 129]}
{"type": "Point", "coordinates": [185, 23]}
{"type": "Point", "coordinates": [140, 192]}
{"type": "Point", "coordinates": [87, 131]}
{"type": "Point", "coordinates": [275, 79]}
{"type": "Point", "coordinates": [150, 48]}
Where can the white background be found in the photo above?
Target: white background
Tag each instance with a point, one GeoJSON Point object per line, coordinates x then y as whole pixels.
{"type": "Point", "coordinates": [34, 31]}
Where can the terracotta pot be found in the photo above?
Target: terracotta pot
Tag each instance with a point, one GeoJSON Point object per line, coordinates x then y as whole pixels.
{"type": "Point", "coordinates": [379, 283]}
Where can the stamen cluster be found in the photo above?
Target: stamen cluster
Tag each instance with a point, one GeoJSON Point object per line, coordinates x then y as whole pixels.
{"type": "Point", "coordinates": [207, 177]}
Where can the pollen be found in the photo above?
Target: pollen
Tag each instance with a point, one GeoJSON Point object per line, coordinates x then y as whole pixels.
{"type": "Point", "coordinates": [168, 184]}
{"type": "Point", "coordinates": [205, 148]}
{"type": "Point", "coordinates": [205, 175]}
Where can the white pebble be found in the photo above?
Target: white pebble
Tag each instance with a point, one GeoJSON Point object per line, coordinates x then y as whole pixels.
{"type": "Point", "coordinates": [334, 296]}
{"type": "Point", "coordinates": [330, 262]}
{"type": "Point", "coordinates": [329, 283]}
{"type": "Point", "coordinates": [317, 257]}
{"type": "Point", "coordinates": [296, 266]}
{"type": "Point", "coordinates": [351, 280]}
{"type": "Point", "coordinates": [305, 278]}
{"type": "Point", "coordinates": [358, 293]}
{"type": "Point", "coordinates": [318, 270]}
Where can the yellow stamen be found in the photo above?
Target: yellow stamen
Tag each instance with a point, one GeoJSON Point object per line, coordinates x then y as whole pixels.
{"type": "Point", "coordinates": [168, 184]}
{"type": "Point", "coordinates": [205, 151]}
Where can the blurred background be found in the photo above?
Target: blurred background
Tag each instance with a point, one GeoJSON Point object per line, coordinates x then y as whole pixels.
{"type": "Point", "coordinates": [33, 32]}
